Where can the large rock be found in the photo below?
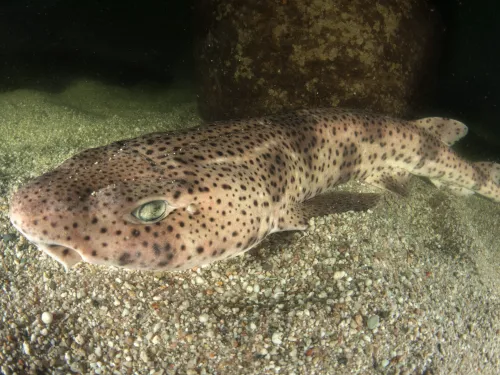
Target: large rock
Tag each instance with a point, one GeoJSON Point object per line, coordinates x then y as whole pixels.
{"type": "Point", "coordinates": [258, 56]}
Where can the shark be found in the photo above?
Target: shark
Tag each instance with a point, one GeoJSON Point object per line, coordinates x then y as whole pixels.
{"type": "Point", "coordinates": [176, 200]}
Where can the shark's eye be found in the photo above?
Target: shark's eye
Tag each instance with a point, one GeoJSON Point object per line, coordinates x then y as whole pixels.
{"type": "Point", "coordinates": [151, 211]}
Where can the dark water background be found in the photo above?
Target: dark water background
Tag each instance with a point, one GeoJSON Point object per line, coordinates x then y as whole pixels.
{"type": "Point", "coordinates": [45, 44]}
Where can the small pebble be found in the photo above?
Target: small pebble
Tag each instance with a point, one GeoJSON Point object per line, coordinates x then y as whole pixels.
{"type": "Point", "coordinates": [358, 320]}
{"type": "Point", "coordinates": [203, 318]}
{"type": "Point", "coordinates": [47, 317]}
{"type": "Point", "coordinates": [79, 339]}
{"type": "Point", "coordinates": [276, 338]}
{"type": "Point", "coordinates": [339, 275]}
{"type": "Point", "coordinates": [8, 237]}
{"type": "Point", "coordinates": [373, 321]}
{"type": "Point", "coordinates": [26, 348]}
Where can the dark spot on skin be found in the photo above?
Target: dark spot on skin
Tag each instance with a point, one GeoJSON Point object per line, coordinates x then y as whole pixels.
{"type": "Point", "coordinates": [157, 249]}
{"type": "Point", "coordinates": [136, 233]}
{"type": "Point", "coordinates": [94, 253]}
{"type": "Point", "coordinates": [124, 259]}
{"type": "Point", "coordinates": [200, 249]}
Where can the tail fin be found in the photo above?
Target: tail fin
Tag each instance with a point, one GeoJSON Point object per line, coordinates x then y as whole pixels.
{"type": "Point", "coordinates": [485, 183]}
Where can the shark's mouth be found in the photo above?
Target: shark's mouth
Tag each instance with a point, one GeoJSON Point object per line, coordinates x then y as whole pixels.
{"type": "Point", "coordinates": [67, 256]}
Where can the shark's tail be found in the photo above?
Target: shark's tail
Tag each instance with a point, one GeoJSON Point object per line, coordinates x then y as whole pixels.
{"type": "Point", "coordinates": [487, 182]}
{"type": "Point", "coordinates": [481, 177]}
{"type": "Point", "coordinates": [491, 188]}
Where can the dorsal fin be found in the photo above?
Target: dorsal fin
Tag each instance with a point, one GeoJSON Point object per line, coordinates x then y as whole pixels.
{"type": "Point", "coordinates": [447, 130]}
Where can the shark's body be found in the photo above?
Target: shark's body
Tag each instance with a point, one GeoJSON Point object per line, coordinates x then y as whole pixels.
{"type": "Point", "coordinates": [177, 200]}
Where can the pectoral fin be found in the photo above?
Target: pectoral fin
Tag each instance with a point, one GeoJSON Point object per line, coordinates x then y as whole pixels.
{"type": "Point", "coordinates": [396, 181]}
{"type": "Point", "coordinates": [297, 217]}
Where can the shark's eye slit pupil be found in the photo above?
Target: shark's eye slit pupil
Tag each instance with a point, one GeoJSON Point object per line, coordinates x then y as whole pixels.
{"type": "Point", "coordinates": [151, 211]}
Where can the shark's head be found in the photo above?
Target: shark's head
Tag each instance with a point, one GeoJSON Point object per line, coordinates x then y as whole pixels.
{"type": "Point", "coordinates": [116, 205]}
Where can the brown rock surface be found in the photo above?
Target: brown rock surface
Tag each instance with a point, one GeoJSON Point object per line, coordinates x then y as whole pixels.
{"type": "Point", "coordinates": [259, 57]}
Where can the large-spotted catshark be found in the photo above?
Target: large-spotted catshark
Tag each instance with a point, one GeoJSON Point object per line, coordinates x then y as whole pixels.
{"type": "Point", "coordinates": [175, 200]}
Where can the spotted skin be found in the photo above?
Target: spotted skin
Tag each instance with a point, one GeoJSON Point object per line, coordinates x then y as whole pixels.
{"type": "Point", "coordinates": [230, 184]}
